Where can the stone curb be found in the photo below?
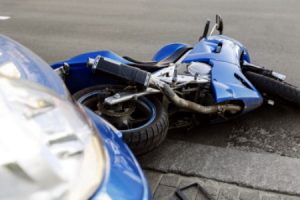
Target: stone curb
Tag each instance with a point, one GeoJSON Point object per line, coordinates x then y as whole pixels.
{"type": "Point", "coordinates": [259, 171]}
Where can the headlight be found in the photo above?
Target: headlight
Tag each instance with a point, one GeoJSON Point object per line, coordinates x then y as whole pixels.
{"type": "Point", "coordinates": [48, 149]}
{"type": "Point", "coordinates": [10, 70]}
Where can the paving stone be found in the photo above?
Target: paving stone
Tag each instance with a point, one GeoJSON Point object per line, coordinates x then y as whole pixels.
{"type": "Point", "coordinates": [164, 192]}
{"type": "Point", "coordinates": [212, 191]}
{"type": "Point", "coordinates": [170, 180]}
{"type": "Point", "coordinates": [153, 179]}
{"type": "Point", "coordinates": [249, 195]}
{"type": "Point", "coordinates": [191, 192]}
{"type": "Point", "coordinates": [165, 186]}
{"type": "Point", "coordinates": [200, 196]}
{"type": "Point", "coordinates": [228, 193]}
{"type": "Point", "coordinates": [211, 188]}
{"type": "Point", "coordinates": [188, 181]}
{"type": "Point", "coordinates": [271, 197]}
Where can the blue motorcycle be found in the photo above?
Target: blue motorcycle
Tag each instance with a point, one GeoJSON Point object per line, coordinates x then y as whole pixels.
{"type": "Point", "coordinates": [212, 81]}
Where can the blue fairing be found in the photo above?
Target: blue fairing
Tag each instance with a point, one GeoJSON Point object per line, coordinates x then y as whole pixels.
{"type": "Point", "coordinates": [224, 55]}
{"type": "Point", "coordinates": [124, 179]}
{"type": "Point", "coordinates": [81, 76]}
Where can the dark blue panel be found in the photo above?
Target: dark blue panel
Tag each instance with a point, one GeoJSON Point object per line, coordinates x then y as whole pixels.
{"type": "Point", "coordinates": [167, 50]}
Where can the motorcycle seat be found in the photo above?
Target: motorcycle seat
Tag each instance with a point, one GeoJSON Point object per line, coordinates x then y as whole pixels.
{"type": "Point", "coordinates": [152, 66]}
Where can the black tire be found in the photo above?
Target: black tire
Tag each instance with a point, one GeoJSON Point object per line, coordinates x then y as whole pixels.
{"type": "Point", "coordinates": [275, 88]}
{"type": "Point", "coordinates": [140, 139]}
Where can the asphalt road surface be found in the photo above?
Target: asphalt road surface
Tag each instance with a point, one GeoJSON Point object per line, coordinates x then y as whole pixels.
{"type": "Point", "coordinates": [270, 29]}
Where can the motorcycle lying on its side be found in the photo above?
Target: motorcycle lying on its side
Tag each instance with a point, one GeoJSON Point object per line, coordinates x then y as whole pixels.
{"type": "Point", "coordinates": [213, 80]}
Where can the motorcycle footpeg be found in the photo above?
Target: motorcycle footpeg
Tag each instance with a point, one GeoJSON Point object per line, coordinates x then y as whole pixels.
{"type": "Point", "coordinates": [120, 70]}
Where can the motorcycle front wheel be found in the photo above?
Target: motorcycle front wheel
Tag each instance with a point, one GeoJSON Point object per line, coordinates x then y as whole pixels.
{"type": "Point", "coordinates": [274, 87]}
{"type": "Point", "coordinates": [143, 122]}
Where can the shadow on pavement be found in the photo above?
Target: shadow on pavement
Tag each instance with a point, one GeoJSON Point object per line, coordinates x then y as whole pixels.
{"type": "Point", "coordinates": [268, 129]}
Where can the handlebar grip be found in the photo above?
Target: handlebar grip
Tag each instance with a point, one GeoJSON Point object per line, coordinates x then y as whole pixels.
{"type": "Point", "coordinates": [122, 71]}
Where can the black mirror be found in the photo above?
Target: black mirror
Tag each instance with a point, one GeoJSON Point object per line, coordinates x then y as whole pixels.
{"type": "Point", "coordinates": [206, 29]}
{"type": "Point", "coordinates": [219, 22]}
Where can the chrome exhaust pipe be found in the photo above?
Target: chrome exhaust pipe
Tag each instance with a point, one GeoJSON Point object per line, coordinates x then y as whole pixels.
{"type": "Point", "coordinates": [180, 102]}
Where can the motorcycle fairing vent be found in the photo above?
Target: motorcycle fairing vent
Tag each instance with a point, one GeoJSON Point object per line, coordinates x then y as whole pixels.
{"type": "Point", "coordinates": [122, 71]}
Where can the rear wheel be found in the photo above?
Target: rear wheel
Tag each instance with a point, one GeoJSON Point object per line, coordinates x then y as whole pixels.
{"type": "Point", "coordinates": [143, 122]}
{"type": "Point", "coordinates": [275, 88]}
